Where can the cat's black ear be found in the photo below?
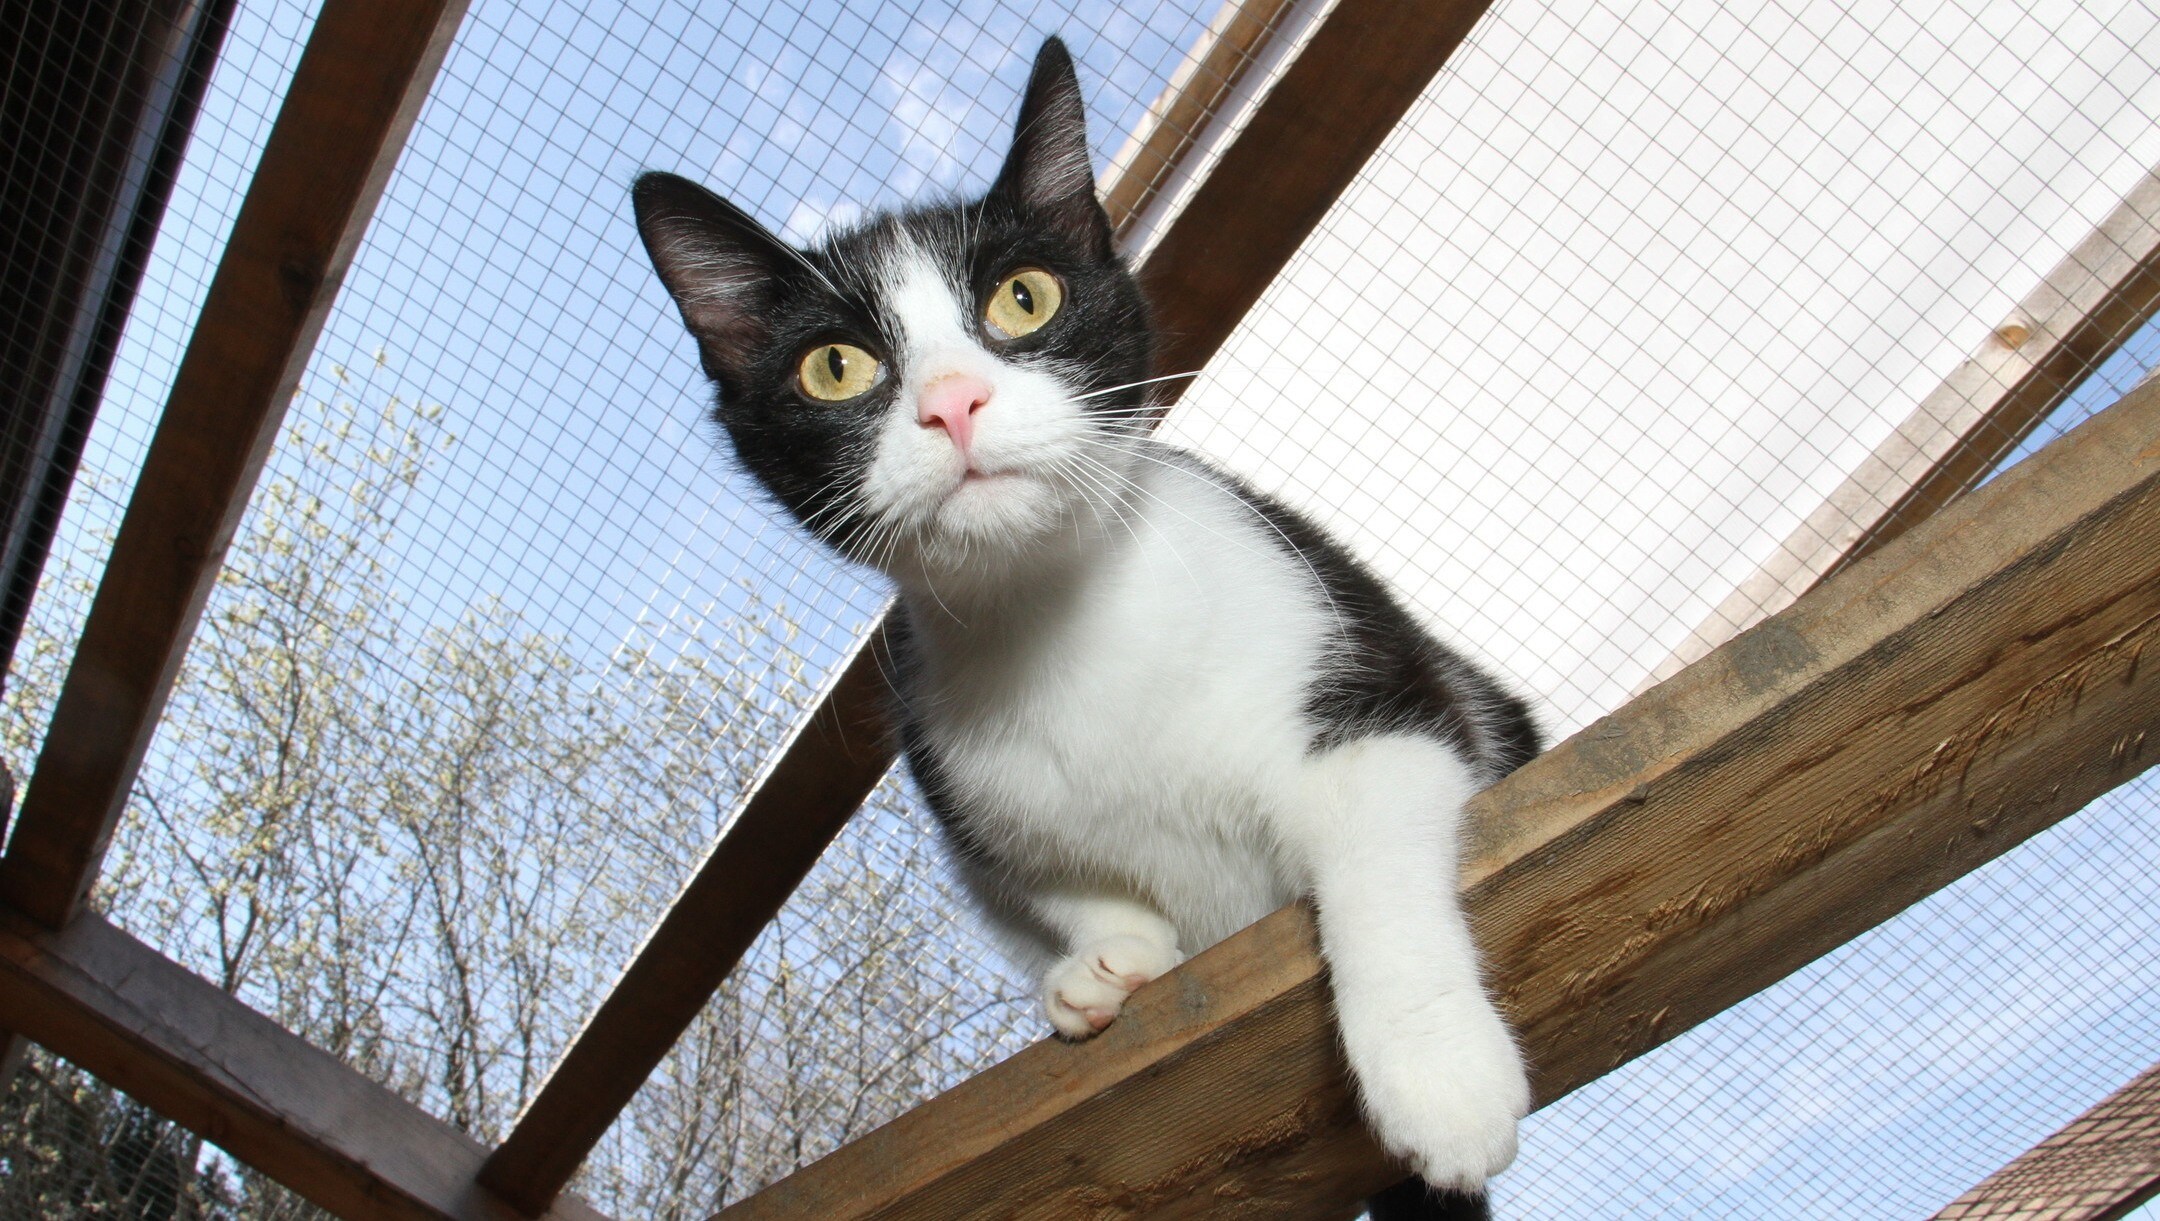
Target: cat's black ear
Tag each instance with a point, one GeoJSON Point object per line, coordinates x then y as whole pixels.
{"type": "Point", "coordinates": [1048, 172]}
{"type": "Point", "coordinates": [719, 264]}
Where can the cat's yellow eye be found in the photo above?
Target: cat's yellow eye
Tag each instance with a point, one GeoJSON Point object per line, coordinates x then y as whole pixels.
{"type": "Point", "coordinates": [1024, 301]}
{"type": "Point", "coordinates": [836, 372]}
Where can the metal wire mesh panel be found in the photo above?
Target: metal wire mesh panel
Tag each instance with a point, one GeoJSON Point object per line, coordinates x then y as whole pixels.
{"type": "Point", "coordinates": [874, 990]}
{"type": "Point", "coordinates": [72, 1146]}
{"type": "Point", "coordinates": [1628, 299]}
{"type": "Point", "coordinates": [1887, 1077]}
{"type": "Point", "coordinates": [1634, 288]}
{"type": "Point", "coordinates": [258, 54]}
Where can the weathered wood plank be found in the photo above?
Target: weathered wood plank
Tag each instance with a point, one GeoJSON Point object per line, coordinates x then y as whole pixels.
{"type": "Point", "coordinates": [1312, 112]}
{"type": "Point", "coordinates": [358, 87]}
{"type": "Point", "coordinates": [2082, 311]}
{"type": "Point", "coordinates": [2098, 1167]}
{"type": "Point", "coordinates": [1975, 681]}
{"type": "Point", "coordinates": [124, 1011]}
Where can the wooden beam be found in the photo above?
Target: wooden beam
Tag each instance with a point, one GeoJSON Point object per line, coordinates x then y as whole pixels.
{"type": "Point", "coordinates": [124, 1011]}
{"type": "Point", "coordinates": [813, 785]}
{"type": "Point", "coordinates": [1298, 148]}
{"type": "Point", "coordinates": [1975, 681]}
{"type": "Point", "coordinates": [2100, 1166]}
{"type": "Point", "coordinates": [1198, 90]}
{"type": "Point", "coordinates": [359, 85]}
{"type": "Point", "coordinates": [2083, 310]}
{"type": "Point", "coordinates": [1314, 129]}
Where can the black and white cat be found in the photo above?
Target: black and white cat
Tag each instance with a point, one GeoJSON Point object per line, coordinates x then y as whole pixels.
{"type": "Point", "coordinates": [1148, 704]}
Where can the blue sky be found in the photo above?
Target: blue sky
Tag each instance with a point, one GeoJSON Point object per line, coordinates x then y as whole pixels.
{"type": "Point", "coordinates": [502, 279]}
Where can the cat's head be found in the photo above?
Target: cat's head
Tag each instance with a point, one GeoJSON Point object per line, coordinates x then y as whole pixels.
{"type": "Point", "coordinates": [945, 390]}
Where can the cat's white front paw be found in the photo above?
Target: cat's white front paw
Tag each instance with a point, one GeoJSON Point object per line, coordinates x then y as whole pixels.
{"type": "Point", "coordinates": [1445, 1096]}
{"type": "Point", "coordinates": [1084, 992]}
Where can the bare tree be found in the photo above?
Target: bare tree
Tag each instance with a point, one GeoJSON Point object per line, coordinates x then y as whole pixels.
{"type": "Point", "coordinates": [427, 845]}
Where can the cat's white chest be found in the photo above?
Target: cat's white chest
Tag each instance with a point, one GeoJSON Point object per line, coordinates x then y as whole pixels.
{"type": "Point", "coordinates": [1142, 725]}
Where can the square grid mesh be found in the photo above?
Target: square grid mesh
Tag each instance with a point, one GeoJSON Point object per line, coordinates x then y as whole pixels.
{"type": "Point", "coordinates": [1620, 302]}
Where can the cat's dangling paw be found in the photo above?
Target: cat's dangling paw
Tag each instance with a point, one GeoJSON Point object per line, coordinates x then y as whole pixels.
{"type": "Point", "coordinates": [1447, 1099]}
{"type": "Point", "coordinates": [1084, 992]}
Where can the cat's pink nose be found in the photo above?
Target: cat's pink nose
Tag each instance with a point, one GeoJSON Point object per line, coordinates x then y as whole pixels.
{"type": "Point", "coordinates": [950, 403]}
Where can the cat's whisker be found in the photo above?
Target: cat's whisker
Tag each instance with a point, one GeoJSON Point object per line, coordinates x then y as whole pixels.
{"type": "Point", "coordinates": [1327, 595]}
{"type": "Point", "coordinates": [1089, 490]}
{"type": "Point", "coordinates": [1118, 477]}
{"type": "Point", "coordinates": [1145, 381]}
{"type": "Point", "coordinates": [814, 270]}
{"type": "Point", "coordinates": [838, 506]}
{"type": "Point", "coordinates": [931, 585]}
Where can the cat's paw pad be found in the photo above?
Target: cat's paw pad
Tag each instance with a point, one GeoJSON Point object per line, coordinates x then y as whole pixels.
{"type": "Point", "coordinates": [1448, 1106]}
{"type": "Point", "coordinates": [1084, 992]}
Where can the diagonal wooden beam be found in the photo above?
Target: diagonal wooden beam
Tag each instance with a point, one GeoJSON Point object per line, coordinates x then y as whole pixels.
{"type": "Point", "coordinates": [358, 87]}
{"type": "Point", "coordinates": [2097, 1168]}
{"type": "Point", "coordinates": [1357, 73]}
{"type": "Point", "coordinates": [1199, 91]}
{"type": "Point", "coordinates": [1300, 145]}
{"type": "Point", "coordinates": [794, 809]}
{"type": "Point", "coordinates": [2083, 310]}
{"type": "Point", "coordinates": [170, 1038]}
{"type": "Point", "coordinates": [1976, 680]}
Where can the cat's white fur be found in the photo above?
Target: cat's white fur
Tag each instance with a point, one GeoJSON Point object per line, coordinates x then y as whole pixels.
{"type": "Point", "coordinates": [1112, 655]}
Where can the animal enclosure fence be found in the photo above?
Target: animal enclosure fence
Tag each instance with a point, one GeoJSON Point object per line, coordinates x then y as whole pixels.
{"type": "Point", "coordinates": [1614, 337]}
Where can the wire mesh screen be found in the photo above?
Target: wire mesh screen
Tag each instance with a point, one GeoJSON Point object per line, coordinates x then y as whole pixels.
{"type": "Point", "coordinates": [72, 1146]}
{"type": "Point", "coordinates": [1629, 298]}
{"type": "Point", "coordinates": [1888, 1077]}
{"type": "Point", "coordinates": [246, 80]}
{"type": "Point", "coordinates": [1634, 288]}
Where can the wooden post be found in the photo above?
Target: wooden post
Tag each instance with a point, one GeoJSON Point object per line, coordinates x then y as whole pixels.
{"type": "Point", "coordinates": [1975, 681]}
{"type": "Point", "coordinates": [1157, 148]}
{"type": "Point", "coordinates": [101, 98]}
{"type": "Point", "coordinates": [97, 116]}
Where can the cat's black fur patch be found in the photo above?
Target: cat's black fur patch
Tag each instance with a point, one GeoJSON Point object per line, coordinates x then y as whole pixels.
{"type": "Point", "coordinates": [1386, 673]}
{"type": "Point", "coordinates": [1413, 1200]}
